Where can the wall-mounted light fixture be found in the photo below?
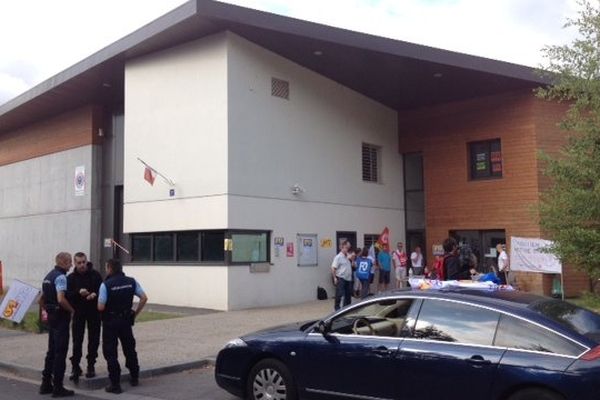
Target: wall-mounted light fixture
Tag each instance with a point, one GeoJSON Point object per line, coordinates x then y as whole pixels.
{"type": "Point", "coordinates": [297, 189]}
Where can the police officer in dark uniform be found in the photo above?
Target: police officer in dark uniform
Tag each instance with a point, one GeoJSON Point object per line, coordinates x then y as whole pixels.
{"type": "Point", "coordinates": [115, 301]}
{"type": "Point", "coordinates": [84, 284]}
{"type": "Point", "coordinates": [54, 301]}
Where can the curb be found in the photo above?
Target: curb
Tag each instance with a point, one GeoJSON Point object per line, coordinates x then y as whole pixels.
{"type": "Point", "coordinates": [102, 381]}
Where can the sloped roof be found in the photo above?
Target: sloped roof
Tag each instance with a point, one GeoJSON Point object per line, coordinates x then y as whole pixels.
{"type": "Point", "coordinates": [398, 74]}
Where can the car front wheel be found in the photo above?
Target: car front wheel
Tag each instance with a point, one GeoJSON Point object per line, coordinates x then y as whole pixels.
{"type": "Point", "coordinates": [270, 379]}
{"type": "Point", "coordinates": [536, 394]}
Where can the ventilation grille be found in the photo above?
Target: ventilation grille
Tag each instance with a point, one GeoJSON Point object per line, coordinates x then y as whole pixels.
{"type": "Point", "coordinates": [280, 88]}
{"type": "Point", "coordinates": [370, 163]}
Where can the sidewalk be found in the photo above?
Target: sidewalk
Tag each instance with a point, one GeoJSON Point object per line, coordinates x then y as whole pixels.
{"type": "Point", "coordinates": [166, 345]}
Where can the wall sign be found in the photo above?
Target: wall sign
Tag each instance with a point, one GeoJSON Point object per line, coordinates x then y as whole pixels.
{"type": "Point", "coordinates": [289, 249]}
{"type": "Point", "coordinates": [278, 241]}
{"type": "Point", "coordinates": [80, 180]}
{"type": "Point", "coordinates": [326, 243]}
{"type": "Point", "coordinates": [438, 250]}
{"type": "Point", "coordinates": [307, 250]}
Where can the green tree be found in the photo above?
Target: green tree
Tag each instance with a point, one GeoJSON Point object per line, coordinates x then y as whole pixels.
{"type": "Point", "coordinates": [570, 208]}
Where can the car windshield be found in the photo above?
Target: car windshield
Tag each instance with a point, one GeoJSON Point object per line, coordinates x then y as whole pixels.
{"type": "Point", "coordinates": [579, 319]}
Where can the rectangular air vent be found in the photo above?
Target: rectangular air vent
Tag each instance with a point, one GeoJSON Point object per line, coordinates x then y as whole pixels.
{"type": "Point", "coordinates": [280, 88]}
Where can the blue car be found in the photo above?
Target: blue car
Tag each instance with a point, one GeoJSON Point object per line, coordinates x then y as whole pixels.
{"type": "Point", "coordinates": [415, 345]}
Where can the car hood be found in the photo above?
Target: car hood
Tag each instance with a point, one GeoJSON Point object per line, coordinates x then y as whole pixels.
{"type": "Point", "coordinates": [278, 330]}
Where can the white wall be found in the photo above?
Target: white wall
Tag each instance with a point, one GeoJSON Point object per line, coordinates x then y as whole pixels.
{"type": "Point", "coordinates": [40, 215]}
{"type": "Point", "coordinates": [186, 286]}
{"type": "Point", "coordinates": [315, 140]}
{"type": "Point", "coordinates": [176, 120]}
{"type": "Point", "coordinates": [203, 113]}
{"type": "Point", "coordinates": [287, 283]}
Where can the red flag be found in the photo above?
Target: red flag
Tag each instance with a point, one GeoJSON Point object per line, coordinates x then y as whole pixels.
{"type": "Point", "coordinates": [149, 175]}
{"type": "Point", "coordinates": [384, 239]}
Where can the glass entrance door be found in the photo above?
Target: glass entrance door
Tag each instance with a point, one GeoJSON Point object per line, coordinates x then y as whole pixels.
{"type": "Point", "coordinates": [483, 244]}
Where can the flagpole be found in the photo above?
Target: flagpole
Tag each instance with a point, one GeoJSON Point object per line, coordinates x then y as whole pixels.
{"type": "Point", "coordinates": [169, 181]}
{"type": "Point", "coordinates": [115, 243]}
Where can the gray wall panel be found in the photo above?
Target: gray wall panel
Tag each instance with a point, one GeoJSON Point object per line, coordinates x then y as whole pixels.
{"type": "Point", "coordinates": [41, 216]}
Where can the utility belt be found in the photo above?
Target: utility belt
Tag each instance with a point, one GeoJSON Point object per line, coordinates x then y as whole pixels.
{"type": "Point", "coordinates": [127, 315]}
{"type": "Point", "coordinates": [56, 312]}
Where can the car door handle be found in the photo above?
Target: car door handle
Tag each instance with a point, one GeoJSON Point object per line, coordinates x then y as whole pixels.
{"type": "Point", "coordinates": [478, 360]}
{"type": "Point", "coordinates": [383, 351]}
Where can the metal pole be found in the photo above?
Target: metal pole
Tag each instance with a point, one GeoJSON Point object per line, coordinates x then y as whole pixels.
{"type": "Point", "coordinates": [562, 284]}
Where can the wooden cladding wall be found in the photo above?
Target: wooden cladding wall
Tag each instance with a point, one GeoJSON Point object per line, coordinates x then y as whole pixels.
{"type": "Point", "coordinates": [452, 200]}
{"type": "Point", "coordinates": [66, 131]}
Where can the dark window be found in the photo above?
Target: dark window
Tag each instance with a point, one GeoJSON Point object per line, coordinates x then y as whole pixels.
{"type": "Point", "coordinates": [518, 334]}
{"type": "Point", "coordinates": [201, 246]}
{"type": "Point", "coordinates": [163, 247]}
{"type": "Point", "coordinates": [141, 247]}
{"type": "Point", "coordinates": [570, 316]}
{"type": "Point", "coordinates": [485, 159]}
{"type": "Point", "coordinates": [250, 247]}
{"type": "Point", "coordinates": [370, 239]}
{"type": "Point", "coordinates": [188, 246]}
{"type": "Point", "coordinates": [213, 246]}
{"type": "Point", "coordinates": [370, 163]}
{"type": "Point", "coordinates": [453, 322]}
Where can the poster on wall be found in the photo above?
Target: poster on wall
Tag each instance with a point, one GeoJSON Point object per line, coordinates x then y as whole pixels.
{"type": "Point", "coordinates": [80, 180]}
{"type": "Point", "coordinates": [289, 249]}
{"type": "Point", "coordinates": [438, 250]}
{"type": "Point", "coordinates": [527, 254]}
{"type": "Point", "coordinates": [17, 301]}
{"type": "Point", "coordinates": [326, 243]}
{"type": "Point", "coordinates": [307, 250]}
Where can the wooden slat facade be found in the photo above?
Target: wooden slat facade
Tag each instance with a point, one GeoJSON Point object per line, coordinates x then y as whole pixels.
{"type": "Point", "coordinates": [63, 132]}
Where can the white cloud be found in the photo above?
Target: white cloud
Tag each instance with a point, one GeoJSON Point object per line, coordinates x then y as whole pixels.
{"type": "Point", "coordinates": [40, 38]}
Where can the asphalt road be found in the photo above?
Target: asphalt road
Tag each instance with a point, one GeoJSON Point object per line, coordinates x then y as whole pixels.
{"type": "Point", "coordinates": [188, 385]}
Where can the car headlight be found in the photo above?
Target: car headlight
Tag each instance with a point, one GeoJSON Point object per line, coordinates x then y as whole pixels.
{"type": "Point", "coordinates": [238, 342]}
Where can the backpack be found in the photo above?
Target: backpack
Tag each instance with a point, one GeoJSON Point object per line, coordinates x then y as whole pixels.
{"type": "Point", "coordinates": [321, 293]}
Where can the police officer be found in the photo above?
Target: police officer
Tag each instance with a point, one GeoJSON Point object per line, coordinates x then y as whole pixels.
{"type": "Point", "coordinates": [84, 283]}
{"type": "Point", "coordinates": [115, 301]}
{"type": "Point", "coordinates": [59, 311]}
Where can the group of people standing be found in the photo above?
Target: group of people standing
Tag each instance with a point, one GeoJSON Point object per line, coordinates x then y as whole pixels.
{"type": "Point", "coordinates": [459, 263]}
{"type": "Point", "coordinates": [82, 299]}
{"type": "Point", "coordinates": [353, 271]}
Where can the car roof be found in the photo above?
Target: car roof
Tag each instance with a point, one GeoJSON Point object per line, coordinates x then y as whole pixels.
{"type": "Point", "coordinates": [509, 301]}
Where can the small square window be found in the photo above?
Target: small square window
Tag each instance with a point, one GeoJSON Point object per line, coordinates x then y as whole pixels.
{"type": "Point", "coordinates": [370, 162]}
{"type": "Point", "coordinates": [485, 159]}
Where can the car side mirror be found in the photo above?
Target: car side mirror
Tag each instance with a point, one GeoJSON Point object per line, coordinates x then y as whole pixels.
{"type": "Point", "coordinates": [323, 328]}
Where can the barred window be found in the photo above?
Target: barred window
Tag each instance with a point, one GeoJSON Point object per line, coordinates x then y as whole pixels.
{"type": "Point", "coordinates": [370, 162]}
{"type": "Point", "coordinates": [370, 239]}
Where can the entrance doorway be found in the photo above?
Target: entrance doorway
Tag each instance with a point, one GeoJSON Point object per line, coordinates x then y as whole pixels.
{"type": "Point", "coordinates": [414, 239]}
{"type": "Point", "coordinates": [340, 236]}
{"type": "Point", "coordinates": [483, 244]}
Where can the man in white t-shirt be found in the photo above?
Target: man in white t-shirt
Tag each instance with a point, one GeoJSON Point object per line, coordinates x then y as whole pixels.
{"type": "Point", "coordinates": [416, 259]}
{"type": "Point", "coordinates": [503, 264]}
{"type": "Point", "coordinates": [341, 269]}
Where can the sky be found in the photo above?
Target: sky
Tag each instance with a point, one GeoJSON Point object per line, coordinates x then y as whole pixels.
{"type": "Point", "coordinates": [40, 38]}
